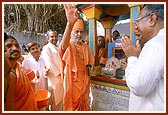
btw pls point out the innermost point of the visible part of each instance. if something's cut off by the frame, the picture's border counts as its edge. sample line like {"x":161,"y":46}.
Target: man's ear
{"x":153,"y":19}
{"x":47,"y":38}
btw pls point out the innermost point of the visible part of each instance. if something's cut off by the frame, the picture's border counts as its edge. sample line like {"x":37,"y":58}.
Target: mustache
{"x":15,"y":51}
{"x":36,"y":52}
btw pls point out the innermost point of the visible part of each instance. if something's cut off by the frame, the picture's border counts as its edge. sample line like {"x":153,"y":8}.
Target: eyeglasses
{"x":140,"y":18}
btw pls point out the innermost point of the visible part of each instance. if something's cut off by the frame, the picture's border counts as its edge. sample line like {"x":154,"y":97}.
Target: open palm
{"x":71,"y":12}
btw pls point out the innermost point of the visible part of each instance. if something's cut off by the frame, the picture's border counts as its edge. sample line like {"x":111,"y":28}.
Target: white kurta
{"x":31,"y":63}
{"x":145,"y":76}
{"x":55,"y":82}
{"x":51,"y":58}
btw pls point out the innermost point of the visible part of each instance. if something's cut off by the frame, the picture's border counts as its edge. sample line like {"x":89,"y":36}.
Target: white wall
{"x":23,"y":38}
{"x":122,"y":28}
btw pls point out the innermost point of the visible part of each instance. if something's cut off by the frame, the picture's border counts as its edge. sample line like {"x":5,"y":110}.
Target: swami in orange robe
{"x":76,"y":79}
{"x":23,"y":99}
{"x":75,"y":56}
{"x":18,"y":90}
{"x":101,"y":47}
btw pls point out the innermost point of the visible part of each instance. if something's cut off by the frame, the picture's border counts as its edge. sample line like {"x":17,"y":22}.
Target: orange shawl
{"x":102,"y":52}
{"x":20,"y":95}
{"x":76,"y":85}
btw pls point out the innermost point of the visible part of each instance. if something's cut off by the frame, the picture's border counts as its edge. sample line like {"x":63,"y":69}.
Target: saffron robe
{"x":102,"y":52}
{"x":20,"y":95}
{"x":76,"y":79}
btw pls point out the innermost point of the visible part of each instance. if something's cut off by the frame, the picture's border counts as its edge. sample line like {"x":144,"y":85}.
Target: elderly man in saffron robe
{"x":75,"y":56}
{"x":18,"y":90}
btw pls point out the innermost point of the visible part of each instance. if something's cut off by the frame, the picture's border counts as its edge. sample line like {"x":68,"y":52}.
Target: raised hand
{"x":71,"y":13}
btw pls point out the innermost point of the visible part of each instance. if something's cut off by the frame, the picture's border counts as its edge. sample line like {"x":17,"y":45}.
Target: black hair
{"x":5,"y":36}
{"x":29,"y":45}
{"x":23,"y":46}
{"x":116,"y":32}
{"x":26,"y":50}
{"x":9,"y":37}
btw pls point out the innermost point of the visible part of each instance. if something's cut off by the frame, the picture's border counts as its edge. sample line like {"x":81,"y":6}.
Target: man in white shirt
{"x":145,"y":69}
{"x":36,"y":63}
